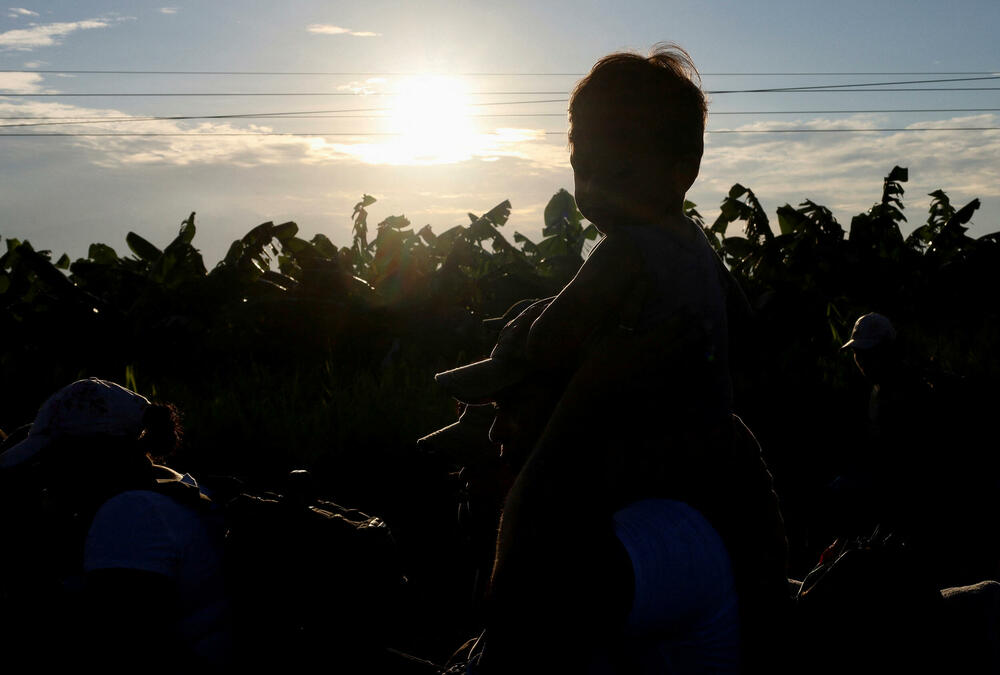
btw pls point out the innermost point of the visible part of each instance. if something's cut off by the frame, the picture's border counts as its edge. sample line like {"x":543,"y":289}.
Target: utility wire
{"x":807,"y":88}
{"x":844,"y":86}
{"x":475,"y":93}
{"x":468,"y":74}
{"x":63,"y":121}
{"x":547,"y":133}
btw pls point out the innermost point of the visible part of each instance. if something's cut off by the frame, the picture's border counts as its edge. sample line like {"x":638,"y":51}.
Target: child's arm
{"x":558,"y":335}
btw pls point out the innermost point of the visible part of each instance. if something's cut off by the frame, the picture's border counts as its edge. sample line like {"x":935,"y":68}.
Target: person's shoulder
{"x":146,"y":508}
{"x":138,"y":500}
{"x":619,"y":248}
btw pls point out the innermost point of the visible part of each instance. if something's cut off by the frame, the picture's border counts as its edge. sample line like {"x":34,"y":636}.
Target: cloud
{"x":365,"y":87}
{"x":34,"y":64}
{"x":168,"y":10}
{"x":18,"y":12}
{"x":20,"y":83}
{"x":329,"y":29}
{"x":844,"y":171}
{"x":45,"y":35}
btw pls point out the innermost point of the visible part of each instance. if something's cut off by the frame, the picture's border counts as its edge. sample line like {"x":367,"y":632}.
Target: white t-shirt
{"x":145,"y":530}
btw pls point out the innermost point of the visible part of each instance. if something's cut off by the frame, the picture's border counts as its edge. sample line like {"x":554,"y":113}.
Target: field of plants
{"x":292,"y":351}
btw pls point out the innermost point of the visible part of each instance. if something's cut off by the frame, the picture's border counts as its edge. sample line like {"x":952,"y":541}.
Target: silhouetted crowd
{"x":620,"y":516}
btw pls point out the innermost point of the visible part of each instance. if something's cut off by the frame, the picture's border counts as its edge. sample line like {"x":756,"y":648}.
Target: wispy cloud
{"x":844,"y":170}
{"x":330,"y":29}
{"x":45,"y":35}
{"x":840,"y":170}
{"x":20,"y":83}
{"x":366,"y":87}
{"x":18,"y":12}
{"x":168,"y":10}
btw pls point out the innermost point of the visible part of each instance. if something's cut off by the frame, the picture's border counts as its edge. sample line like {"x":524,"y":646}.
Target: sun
{"x":430,"y":114}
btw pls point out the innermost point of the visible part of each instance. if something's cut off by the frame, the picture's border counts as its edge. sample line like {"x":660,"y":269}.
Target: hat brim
{"x":860,"y":344}
{"x":464,"y":442}
{"x":481,"y":381}
{"x":22,"y":452}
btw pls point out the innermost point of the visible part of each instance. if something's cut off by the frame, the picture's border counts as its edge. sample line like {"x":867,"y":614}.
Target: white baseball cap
{"x":90,"y":407}
{"x":869,"y":331}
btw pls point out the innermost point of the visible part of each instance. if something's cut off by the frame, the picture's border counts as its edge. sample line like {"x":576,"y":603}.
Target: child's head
{"x":636,"y":135}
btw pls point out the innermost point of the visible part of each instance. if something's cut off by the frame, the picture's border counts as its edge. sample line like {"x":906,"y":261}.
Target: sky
{"x":440,"y":108}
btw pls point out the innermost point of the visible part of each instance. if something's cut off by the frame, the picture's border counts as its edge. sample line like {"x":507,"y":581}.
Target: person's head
{"x":93,"y":436}
{"x":873,"y":341}
{"x":522,"y":396}
{"x":636,"y":135}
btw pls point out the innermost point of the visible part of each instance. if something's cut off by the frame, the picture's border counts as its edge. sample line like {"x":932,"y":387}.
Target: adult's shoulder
{"x":139,"y":529}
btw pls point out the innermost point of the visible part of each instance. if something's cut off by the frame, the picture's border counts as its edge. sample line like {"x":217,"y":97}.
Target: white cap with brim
{"x":869,"y":331}
{"x":466,"y":441}
{"x":479,"y":382}
{"x":85,"y":408}
{"x":507,"y":365}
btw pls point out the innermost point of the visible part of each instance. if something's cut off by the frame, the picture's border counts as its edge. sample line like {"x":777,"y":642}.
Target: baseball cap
{"x":870,"y":330}
{"x":90,"y":407}
{"x":465,"y":441}
{"x":479,"y":382}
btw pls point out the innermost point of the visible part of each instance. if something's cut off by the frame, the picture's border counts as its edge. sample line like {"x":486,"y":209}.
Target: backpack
{"x":304,"y":575}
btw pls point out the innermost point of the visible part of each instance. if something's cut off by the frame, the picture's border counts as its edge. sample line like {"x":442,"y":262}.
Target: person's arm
{"x":559,"y":334}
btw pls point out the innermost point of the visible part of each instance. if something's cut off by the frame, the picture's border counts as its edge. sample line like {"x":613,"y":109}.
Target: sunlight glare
{"x":432,"y":117}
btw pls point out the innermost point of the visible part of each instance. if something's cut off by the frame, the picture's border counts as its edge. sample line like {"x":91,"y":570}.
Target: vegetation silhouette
{"x":294,"y":351}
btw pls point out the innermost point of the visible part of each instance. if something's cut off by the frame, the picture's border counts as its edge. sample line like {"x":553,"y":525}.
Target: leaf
{"x":142,"y":248}
{"x":366,"y":201}
{"x":721,"y":224}
{"x":187,"y":229}
{"x":499,"y":214}
{"x":102,"y":254}
{"x":259,"y":235}
{"x":551,"y":247}
{"x":284,"y":231}
{"x":789,"y":220}
{"x":898,"y":175}
{"x":233,"y":254}
{"x":285,"y":282}
{"x":527,"y":246}
{"x":427,"y":234}
{"x":733,"y":209}
{"x":964,"y":214}
{"x":560,"y":210}
{"x":4,"y":283}
{"x":63,"y":262}
{"x":738,"y":247}
{"x":395,"y":222}
{"x":737,"y":191}
{"x":324,"y":246}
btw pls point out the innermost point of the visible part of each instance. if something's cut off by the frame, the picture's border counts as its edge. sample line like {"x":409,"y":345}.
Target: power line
{"x":547,"y":133}
{"x":267,"y":93}
{"x":828,"y":131}
{"x":843,"y":86}
{"x":70,"y":71}
{"x":790,"y":90}
{"x":70,"y":121}
{"x":868,"y":86}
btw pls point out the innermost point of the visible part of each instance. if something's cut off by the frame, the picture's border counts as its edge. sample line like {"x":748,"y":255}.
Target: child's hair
{"x":660,"y":92}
